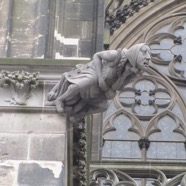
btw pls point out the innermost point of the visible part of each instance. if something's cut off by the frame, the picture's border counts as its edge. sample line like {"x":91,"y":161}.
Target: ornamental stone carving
{"x":19,"y":84}
{"x":168,"y":48}
{"x":146,"y":96}
{"x":87,"y":88}
{"x":118,"y":11}
{"x":144,"y":143}
{"x":114,"y":177}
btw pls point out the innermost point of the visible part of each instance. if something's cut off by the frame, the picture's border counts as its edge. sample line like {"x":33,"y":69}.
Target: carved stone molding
{"x":114,"y":177}
{"x":80,"y":153}
{"x":19,"y":84}
{"x":110,"y":177}
{"x":117,"y":12}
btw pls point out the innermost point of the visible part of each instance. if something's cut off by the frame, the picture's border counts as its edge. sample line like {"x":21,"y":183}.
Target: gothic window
{"x":146,"y":109}
{"x":146,"y":122}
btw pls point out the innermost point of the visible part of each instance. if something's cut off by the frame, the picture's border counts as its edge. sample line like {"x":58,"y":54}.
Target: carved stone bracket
{"x":144,"y":143}
{"x":20,"y":85}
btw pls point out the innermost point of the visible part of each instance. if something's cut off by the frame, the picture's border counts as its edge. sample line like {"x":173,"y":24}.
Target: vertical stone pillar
{"x":78,"y":165}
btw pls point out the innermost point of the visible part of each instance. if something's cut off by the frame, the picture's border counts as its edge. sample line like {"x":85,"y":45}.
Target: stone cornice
{"x":49,"y":69}
{"x":43,"y":62}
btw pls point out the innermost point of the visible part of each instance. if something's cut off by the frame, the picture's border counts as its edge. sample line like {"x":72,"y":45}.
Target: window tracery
{"x":168,"y":47}
{"x":146,"y":121}
{"x":152,"y":97}
{"x":113,"y":177}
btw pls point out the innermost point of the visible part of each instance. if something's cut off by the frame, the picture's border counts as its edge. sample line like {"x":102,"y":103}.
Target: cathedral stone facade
{"x":139,"y":141}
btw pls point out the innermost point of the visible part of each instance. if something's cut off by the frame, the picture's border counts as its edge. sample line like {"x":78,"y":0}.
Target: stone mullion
{"x":9,"y":29}
{"x":41,"y":29}
{"x":69,"y":159}
{"x":143,"y":154}
{"x":58,"y":28}
{"x":49,"y":50}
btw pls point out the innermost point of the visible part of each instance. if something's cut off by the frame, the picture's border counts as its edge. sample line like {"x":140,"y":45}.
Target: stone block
{"x":39,"y":46}
{"x":101,"y":10}
{"x":41,"y":26}
{"x":7,"y":175}
{"x":60,"y":7}
{"x":25,"y":9}
{"x":99,"y":43}
{"x":69,"y":51}
{"x":78,"y":29}
{"x":4,"y":13}
{"x":2,"y":50}
{"x":85,"y":48}
{"x":23,"y":30}
{"x":86,"y":29}
{"x":100,"y":25}
{"x":28,"y":123}
{"x":72,"y":29}
{"x":60,"y":24}
{"x":43,"y":7}
{"x":34,"y":174}
{"x":47,"y":147}
{"x":22,"y":50}
{"x":72,"y":11}
{"x":79,"y":1}
{"x":13,"y":147}
{"x":86,"y":11}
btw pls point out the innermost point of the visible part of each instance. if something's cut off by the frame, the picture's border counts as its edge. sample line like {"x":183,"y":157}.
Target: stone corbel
{"x":144,"y":143}
{"x":19,"y":84}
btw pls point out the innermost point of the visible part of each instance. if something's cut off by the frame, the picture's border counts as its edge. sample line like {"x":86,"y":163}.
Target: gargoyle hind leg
{"x":58,"y":89}
{"x":69,"y":94}
{"x":52,"y":94}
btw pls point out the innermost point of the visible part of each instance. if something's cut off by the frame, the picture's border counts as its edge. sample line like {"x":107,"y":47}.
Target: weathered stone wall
{"x":33,"y":136}
{"x":32,"y":149}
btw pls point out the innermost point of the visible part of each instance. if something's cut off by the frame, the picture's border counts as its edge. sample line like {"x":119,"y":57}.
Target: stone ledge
{"x":26,"y":109}
{"x":43,"y":62}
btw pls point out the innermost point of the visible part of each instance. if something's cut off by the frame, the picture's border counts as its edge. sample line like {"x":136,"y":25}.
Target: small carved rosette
{"x":20,"y":85}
